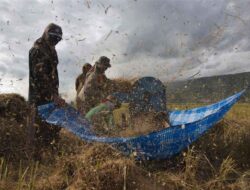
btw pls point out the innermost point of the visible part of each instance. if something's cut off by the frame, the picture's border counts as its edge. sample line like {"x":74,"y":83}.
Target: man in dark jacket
{"x":44,"y":82}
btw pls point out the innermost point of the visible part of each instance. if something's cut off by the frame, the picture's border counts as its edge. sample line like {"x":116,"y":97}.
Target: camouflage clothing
{"x":43,"y":60}
{"x":94,"y":89}
{"x":43,"y":79}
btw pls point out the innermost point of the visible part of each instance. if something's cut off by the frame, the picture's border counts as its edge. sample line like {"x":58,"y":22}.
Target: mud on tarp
{"x":186,"y":127}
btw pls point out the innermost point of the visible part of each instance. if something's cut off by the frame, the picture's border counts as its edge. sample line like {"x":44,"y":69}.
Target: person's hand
{"x":59,"y":101}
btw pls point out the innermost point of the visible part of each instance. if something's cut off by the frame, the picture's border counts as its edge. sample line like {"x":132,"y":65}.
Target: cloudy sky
{"x":168,"y":39}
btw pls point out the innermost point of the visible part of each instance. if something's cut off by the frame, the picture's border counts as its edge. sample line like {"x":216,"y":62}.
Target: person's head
{"x":103,"y":64}
{"x":86,"y":67}
{"x":52,"y":34}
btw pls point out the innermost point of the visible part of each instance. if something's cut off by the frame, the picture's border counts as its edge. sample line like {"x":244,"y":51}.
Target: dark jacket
{"x":43,"y":74}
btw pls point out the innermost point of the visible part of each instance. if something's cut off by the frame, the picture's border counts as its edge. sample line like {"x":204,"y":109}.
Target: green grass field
{"x":240,"y":111}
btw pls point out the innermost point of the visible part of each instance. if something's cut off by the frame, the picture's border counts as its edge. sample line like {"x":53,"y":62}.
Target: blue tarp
{"x":186,"y":127}
{"x":148,"y":93}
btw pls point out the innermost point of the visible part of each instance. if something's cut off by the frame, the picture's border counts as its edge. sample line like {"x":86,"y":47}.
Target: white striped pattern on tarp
{"x":180,"y":117}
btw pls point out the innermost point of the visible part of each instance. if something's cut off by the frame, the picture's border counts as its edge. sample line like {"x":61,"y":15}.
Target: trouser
{"x":46,"y":134}
{"x":40,"y":135}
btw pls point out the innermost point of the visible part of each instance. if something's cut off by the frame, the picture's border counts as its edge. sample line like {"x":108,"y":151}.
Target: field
{"x":219,"y":160}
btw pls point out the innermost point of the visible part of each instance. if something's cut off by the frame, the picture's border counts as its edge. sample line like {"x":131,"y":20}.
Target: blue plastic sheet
{"x":148,"y":93}
{"x":186,"y":127}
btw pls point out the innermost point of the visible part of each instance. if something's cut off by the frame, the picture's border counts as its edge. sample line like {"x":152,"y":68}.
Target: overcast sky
{"x":168,"y":39}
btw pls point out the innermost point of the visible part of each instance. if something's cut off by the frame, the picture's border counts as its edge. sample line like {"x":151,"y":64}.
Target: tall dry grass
{"x":218,"y":160}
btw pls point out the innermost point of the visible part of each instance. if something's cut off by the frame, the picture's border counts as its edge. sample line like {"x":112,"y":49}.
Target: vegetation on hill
{"x":209,"y":89}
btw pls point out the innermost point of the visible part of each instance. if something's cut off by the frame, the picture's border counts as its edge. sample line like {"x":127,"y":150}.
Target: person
{"x":95,"y":86}
{"x":107,"y":105}
{"x":101,"y":116}
{"x":44,"y":83}
{"x":82,"y":77}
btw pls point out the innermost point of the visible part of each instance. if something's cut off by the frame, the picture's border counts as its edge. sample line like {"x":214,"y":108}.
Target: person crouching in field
{"x":95,"y":86}
{"x":44,"y":84}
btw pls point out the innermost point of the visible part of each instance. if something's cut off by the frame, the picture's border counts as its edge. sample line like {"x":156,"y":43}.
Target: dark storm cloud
{"x":191,"y":32}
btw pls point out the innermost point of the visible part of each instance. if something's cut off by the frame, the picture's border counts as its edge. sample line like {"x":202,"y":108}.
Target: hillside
{"x":209,"y":89}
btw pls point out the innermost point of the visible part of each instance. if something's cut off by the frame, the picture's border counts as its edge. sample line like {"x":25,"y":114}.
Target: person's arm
{"x":108,"y":104}
{"x":95,"y":110}
{"x":36,"y":63}
{"x":77,"y":83}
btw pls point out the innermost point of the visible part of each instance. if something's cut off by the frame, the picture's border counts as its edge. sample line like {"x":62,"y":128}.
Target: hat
{"x":53,"y":30}
{"x":52,"y":33}
{"x":103,"y":61}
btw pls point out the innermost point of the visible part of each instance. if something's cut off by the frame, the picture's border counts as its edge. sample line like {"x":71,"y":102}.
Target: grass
{"x":218,"y":160}
{"x":240,"y":111}
{"x":3,"y":169}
